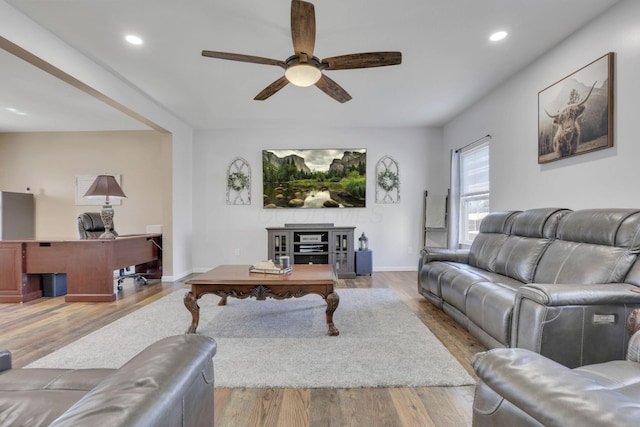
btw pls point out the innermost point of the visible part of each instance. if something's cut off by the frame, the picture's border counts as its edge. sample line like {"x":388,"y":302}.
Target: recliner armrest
{"x":573,"y":324}
{"x":168,"y":383}
{"x":443,"y":254}
{"x":558,"y":294}
{"x":5,"y":360}
{"x":551,"y":393}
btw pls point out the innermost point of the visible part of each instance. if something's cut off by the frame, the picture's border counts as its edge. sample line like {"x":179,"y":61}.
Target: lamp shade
{"x":303,"y":75}
{"x":104,"y":186}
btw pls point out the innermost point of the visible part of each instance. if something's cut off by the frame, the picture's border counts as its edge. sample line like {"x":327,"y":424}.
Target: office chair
{"x":90,"y":226}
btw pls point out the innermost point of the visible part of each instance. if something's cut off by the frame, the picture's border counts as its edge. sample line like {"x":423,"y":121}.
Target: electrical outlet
{"x":236,"y":251}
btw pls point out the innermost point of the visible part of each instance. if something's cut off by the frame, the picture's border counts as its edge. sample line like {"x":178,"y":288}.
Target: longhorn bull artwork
{"x":575,"y":114}
{"x":567,"y":137}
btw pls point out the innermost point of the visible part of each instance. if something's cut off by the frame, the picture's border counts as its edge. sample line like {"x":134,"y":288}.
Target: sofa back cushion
{"x":592,"y":246}
{"x":494,"y":230}
{"x":531,"y":233}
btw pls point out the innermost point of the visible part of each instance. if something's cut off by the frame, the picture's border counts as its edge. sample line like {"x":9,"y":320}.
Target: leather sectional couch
{"x":170,"y":383}
{"x":520,"y":388}
{"x":557,"y":282}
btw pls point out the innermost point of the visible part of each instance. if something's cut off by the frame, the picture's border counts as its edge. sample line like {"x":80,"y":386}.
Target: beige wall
{"x":48,"y":164}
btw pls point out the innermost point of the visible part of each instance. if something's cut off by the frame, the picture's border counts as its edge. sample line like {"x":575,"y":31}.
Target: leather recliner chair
{"x":521,"y":388}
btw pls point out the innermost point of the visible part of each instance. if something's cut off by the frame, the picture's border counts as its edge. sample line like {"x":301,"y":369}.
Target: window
{"x":474,"y":190}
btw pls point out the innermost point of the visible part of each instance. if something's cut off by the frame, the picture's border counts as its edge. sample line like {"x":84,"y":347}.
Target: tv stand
{"x":314,"y":244}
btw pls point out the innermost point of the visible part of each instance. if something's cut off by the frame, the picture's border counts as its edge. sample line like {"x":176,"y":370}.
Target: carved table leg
{"x":223,"y":301}
{"x":332,"y":303}
{"x":191,"y":302}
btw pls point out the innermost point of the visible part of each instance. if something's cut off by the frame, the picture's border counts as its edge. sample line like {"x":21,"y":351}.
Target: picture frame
{"x":575,"y":114}
{"x":314,"y":178}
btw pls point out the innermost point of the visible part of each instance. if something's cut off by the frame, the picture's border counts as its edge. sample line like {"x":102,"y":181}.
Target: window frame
{"x":466,"y":198}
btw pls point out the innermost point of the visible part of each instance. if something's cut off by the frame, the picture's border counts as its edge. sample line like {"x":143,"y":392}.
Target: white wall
{"x":48,"y":163}
{"x":236,"y":234}
{"x":62,"y":59}
{"x":605,"y":178}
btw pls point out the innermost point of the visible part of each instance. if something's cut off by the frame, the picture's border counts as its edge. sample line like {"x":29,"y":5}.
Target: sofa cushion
{"x":519,"y":256}
{"x":541,"y":223}
{"x":573,"y":262}
{"x":620,"y":375}
{"x":35,"y":408}
{"x":432,"y":272}
{"x":52,"y":379}
{"x":608,"y":227}
{"x":490,"y":307}
{"x":592,"y":246}
{"x":633,"y":276}
{"x":37,"y":396}
{"x":455,"y":283}
{"x":531,"y":234}
{"x":494,"y":229}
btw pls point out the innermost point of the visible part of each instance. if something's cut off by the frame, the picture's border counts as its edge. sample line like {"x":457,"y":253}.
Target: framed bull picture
{"x":575,"y":114}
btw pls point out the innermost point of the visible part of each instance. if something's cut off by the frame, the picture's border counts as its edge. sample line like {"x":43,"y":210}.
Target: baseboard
{"x":179,"y":276}
{"x":411,"y":268}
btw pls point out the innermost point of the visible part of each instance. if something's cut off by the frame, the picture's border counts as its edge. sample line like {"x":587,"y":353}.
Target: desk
{"x":88,"y":264}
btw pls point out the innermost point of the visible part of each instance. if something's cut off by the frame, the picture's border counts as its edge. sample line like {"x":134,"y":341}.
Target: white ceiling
{"x":448,"y":62}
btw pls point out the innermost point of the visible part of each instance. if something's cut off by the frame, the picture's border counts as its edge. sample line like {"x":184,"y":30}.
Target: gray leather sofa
{"x":170,"y":383}
{"x":520,"y":388}
{"x":557,"y":282}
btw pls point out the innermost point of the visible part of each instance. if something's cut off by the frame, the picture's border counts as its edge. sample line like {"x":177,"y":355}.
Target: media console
{"x":314,"y":244}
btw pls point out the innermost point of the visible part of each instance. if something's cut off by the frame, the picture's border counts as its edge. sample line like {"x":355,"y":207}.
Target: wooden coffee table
{"x":237,"y":282}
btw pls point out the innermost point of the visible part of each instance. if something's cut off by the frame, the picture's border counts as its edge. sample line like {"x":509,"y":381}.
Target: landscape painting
{"x":315,"y":178}
{"x":575,"y":115}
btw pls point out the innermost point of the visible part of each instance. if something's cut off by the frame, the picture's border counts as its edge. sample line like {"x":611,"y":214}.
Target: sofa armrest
{"x":168,"y":383}
{"x":442,"y":254}
{"x":579,"y":294}
{"x":551,"y":393}
{"x":574,"y":324}
{"x":5,"y":360}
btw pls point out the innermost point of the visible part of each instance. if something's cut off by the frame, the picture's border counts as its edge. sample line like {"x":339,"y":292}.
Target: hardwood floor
{"x":36,"y":328}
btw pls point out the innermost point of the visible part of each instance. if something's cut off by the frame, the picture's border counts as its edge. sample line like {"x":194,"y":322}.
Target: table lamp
{"x":105,"y":186}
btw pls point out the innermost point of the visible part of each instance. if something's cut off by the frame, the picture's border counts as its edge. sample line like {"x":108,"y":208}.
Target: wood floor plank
{"x":34,"y":329}
{"x":410,"y":408}
{"x":295,"y":408}
{"x":444,"y":404}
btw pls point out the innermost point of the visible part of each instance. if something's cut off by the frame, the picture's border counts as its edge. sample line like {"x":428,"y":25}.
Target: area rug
{"x":284,"y":344}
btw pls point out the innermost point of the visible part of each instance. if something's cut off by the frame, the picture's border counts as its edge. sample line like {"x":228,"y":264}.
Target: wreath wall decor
{"x":387,"y":181}
{"x":239,"y":182}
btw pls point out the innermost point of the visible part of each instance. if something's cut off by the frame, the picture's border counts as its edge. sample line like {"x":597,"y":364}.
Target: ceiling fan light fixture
{"x":303,"y":75}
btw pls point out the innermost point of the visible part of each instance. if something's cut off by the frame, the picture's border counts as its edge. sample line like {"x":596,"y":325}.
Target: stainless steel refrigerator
{"x":17,"y":216}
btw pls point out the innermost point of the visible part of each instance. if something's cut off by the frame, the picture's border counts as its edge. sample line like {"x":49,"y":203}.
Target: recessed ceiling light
{"x":498,"y":36}
{"x":133,"y":39}
{"x":13,"y":110}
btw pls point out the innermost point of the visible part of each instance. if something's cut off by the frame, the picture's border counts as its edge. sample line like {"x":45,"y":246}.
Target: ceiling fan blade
{"x":333,"y":89}
{"x":272,"y":88}
{"x":363,"y":60}
{"x":303,"y":27}
{"x":243,"y":58}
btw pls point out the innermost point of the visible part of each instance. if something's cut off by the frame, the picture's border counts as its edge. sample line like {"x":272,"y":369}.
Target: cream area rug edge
{"x":284,"y":344}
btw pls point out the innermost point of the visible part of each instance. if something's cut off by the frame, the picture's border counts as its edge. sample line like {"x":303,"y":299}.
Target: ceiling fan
{"x":304,"y":69}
